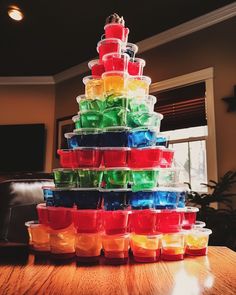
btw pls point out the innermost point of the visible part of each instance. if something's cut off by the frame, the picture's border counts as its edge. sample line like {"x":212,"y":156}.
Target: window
{"x":187,"y":105}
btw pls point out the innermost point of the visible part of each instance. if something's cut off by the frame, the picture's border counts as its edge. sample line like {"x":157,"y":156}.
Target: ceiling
{"x":57,"y":34}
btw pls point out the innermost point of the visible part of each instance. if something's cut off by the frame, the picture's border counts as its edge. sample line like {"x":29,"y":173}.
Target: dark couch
{"x":18,"y":199}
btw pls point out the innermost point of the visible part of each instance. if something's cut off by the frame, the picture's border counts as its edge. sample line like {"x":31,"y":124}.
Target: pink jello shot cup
{"x":116,"y":61}
{"x":108,"y":46}
{"x":135,"y":66}
{"x":96,"y":67}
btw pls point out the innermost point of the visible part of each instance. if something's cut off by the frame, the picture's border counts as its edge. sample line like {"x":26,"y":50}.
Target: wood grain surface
{"x":213,"y":274}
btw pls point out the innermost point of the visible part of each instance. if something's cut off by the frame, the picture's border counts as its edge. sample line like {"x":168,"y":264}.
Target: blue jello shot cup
{"x":142,"y":200}
{"x":115,"y":199}
{"x":166,"y":198}
{"x":48,"y":195}
{"x":115,"y":137}
{"x":142,"y":137}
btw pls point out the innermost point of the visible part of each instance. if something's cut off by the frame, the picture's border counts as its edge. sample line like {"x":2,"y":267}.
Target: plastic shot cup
{"x":94,"y":87}
{"x":196,"y":241}
{"x":88,"y":221}
{"x":143,"y":222}
{"x":142,"y":200}
{"x":131,"y":49}
{"x":144,"y":157}
{"x":87,"y":198}
{"x":66,"y":158}
{"x":168,"y":177}
{"x":135,"y":66}
{"x":170,"y":220}
{"x":115,"y":199}
{"x":72,"y":140}
{"x":90,"y":178}
{"x":96,"y":104}
{"x":96,"y":67}
{"x":116,"y":248}
{"x":115,"y":117}
{"x":199,"y":224}
{"x":138,"y":86}
{"x":140,"y":119}
{"x":113,"y":101}
{"x":42,"y":211}
{"x":48,"y":195}
{"x":108,"y":45}
{"x":116,"y":177}
{"x":173,"y":246}
{"x":115,"y":137}
{"x":167,"y":158}
{"x":63,"y":197}
{"x":88,"y":247}
{"x":59,"y":217}
{"x":88,"y":157}
{"x":38,"y":236}
{"x":142,"y":105}
{"x":190,"y":215}
{"x":66,"y":178}
{"x":116,"y":30}
{"x":166,"y":198}
{"x":146,"y":248}
{"x":88,"y":119}
{"x":116,"y":61}
{"x":141,"y":137}
{"x":88,"y":137}
{"x":115,"y":222}
{"x":115,"y":83}
{"x":143,"y":179}
{"x":115,"y":157}
{"x":162,"y":141}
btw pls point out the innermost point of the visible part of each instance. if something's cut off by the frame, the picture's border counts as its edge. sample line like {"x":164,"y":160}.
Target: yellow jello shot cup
{"x":94,"y":87}
{"x":114,"y":83}
{"x":173,"y":246}
{"x":138,"y":86}
{"x":197,"y":241}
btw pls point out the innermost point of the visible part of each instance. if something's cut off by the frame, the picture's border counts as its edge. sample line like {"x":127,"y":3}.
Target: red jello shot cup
{"x":170,"y":221}
{"x":145,"y":157}
{"x":42,"y":211}
{"x":96,"y":67}
{"x":167,"y":158}
{"x":116,"y":61}
{"x":190,"y":215}
{"x":143,"y":222}
{"x":115,"y":30}
{"x":60,"y":217}
{"x":88,"y":220}
{"x":115,"y":157}
{"x":135,"y":66}
{"x":107,"y":46}
{"x":86,"y":157}
{"x":116,"y":222}
{"x":66,"y":158}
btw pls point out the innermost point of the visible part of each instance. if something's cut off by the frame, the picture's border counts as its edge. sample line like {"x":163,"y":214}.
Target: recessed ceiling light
{"x":15,"y":13}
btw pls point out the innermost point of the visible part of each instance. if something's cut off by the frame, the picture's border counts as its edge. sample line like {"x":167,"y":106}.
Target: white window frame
{"x":205,"y":75}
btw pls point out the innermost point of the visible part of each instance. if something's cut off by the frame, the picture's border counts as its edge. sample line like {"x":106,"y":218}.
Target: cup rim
{"x":115,"y":73}
{"x":63,"y":169}
{"x":32,"y":223}
{"x":116,"y":169}
{"x":81,"y":130}
{"x":141,"y":77}
{"x":132,"y":45}
{"x":110,"y":40}
{"x":191,"y":209}
{"x":112,"y":24}
{"x":115,"y":148}
{"x":93,"y":62}
{"x":69,"y":134}
{"x":110,"y":54}
{"x":90,"y":77}
{"x":107,"y":190}
{"x":138,"y":59}
{"x":201,"y":231}
{"x":199,"y":224}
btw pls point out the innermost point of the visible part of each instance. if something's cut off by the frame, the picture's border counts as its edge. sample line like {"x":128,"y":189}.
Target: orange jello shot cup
{"x":116,"y":248}
{"x":38,"y":236}
{"x":173,"y":246}
{"x":138,"y":86}
{"x":197,"y":241}
{"x":94,"y":87}
{"x":114,"y":82}
{"x":146,"y":248}
{"x":88,"y":247}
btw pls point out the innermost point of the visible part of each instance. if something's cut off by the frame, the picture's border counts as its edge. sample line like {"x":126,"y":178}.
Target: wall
{"x":26,"y":104}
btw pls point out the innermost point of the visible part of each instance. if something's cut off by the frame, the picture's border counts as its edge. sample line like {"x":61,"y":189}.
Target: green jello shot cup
{"x":140,"y":119}
{"x":115,"y":117}
{"x":90,"y":178}
{"x":145,"y":105}
{"x":86,"y":104}
{"x":113,"y":101}
{"x":143,"y":179}
{"x":66,"y":178}
{"x":88,"y":119}
{"x":116,"y":178}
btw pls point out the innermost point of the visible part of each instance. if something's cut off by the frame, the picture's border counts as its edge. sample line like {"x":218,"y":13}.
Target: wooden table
{"x":213,"y":274}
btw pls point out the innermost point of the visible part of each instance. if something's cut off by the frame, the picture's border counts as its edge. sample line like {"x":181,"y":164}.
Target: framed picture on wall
{"x":63,"y":125}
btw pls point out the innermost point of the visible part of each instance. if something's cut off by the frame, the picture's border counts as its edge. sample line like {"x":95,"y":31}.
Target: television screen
{"x":22,"y":148}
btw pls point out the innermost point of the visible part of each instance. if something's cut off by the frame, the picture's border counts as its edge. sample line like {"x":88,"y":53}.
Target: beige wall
{"x":211,"y":47}
{"x":27,"y":105}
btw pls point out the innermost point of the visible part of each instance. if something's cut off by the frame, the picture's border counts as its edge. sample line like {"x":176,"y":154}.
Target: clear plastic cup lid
{"x":144,"y":78}
{"x":117,"y":169}
{"x":87,"y":130}
{"x":132,"y":47}
{"x":88,"y":169}
{"x":115,"y":148}
{"x":87,"y":148}
{"x":93,"y":62}
{"x":31,"y":223}
{"x":63,"y":169}
{"x":171,"y":189}
{"x":138,"y":60}
{"x":145,"y":129}
{"x":115,"y":190}
{"x":48,"y":187}
{"x":88,"y":78}
{"x":191,"y":209}
{"x":117,"y":129}
{"x":80,"y":97}
{"x":199,"y":224}
{"x":202,"y":231}
{"x":85,"y":189}
{"x":115,"y":73}
{"x":144,"y":169}
{"x":116,"y":55}
{"x":69,"y":134}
